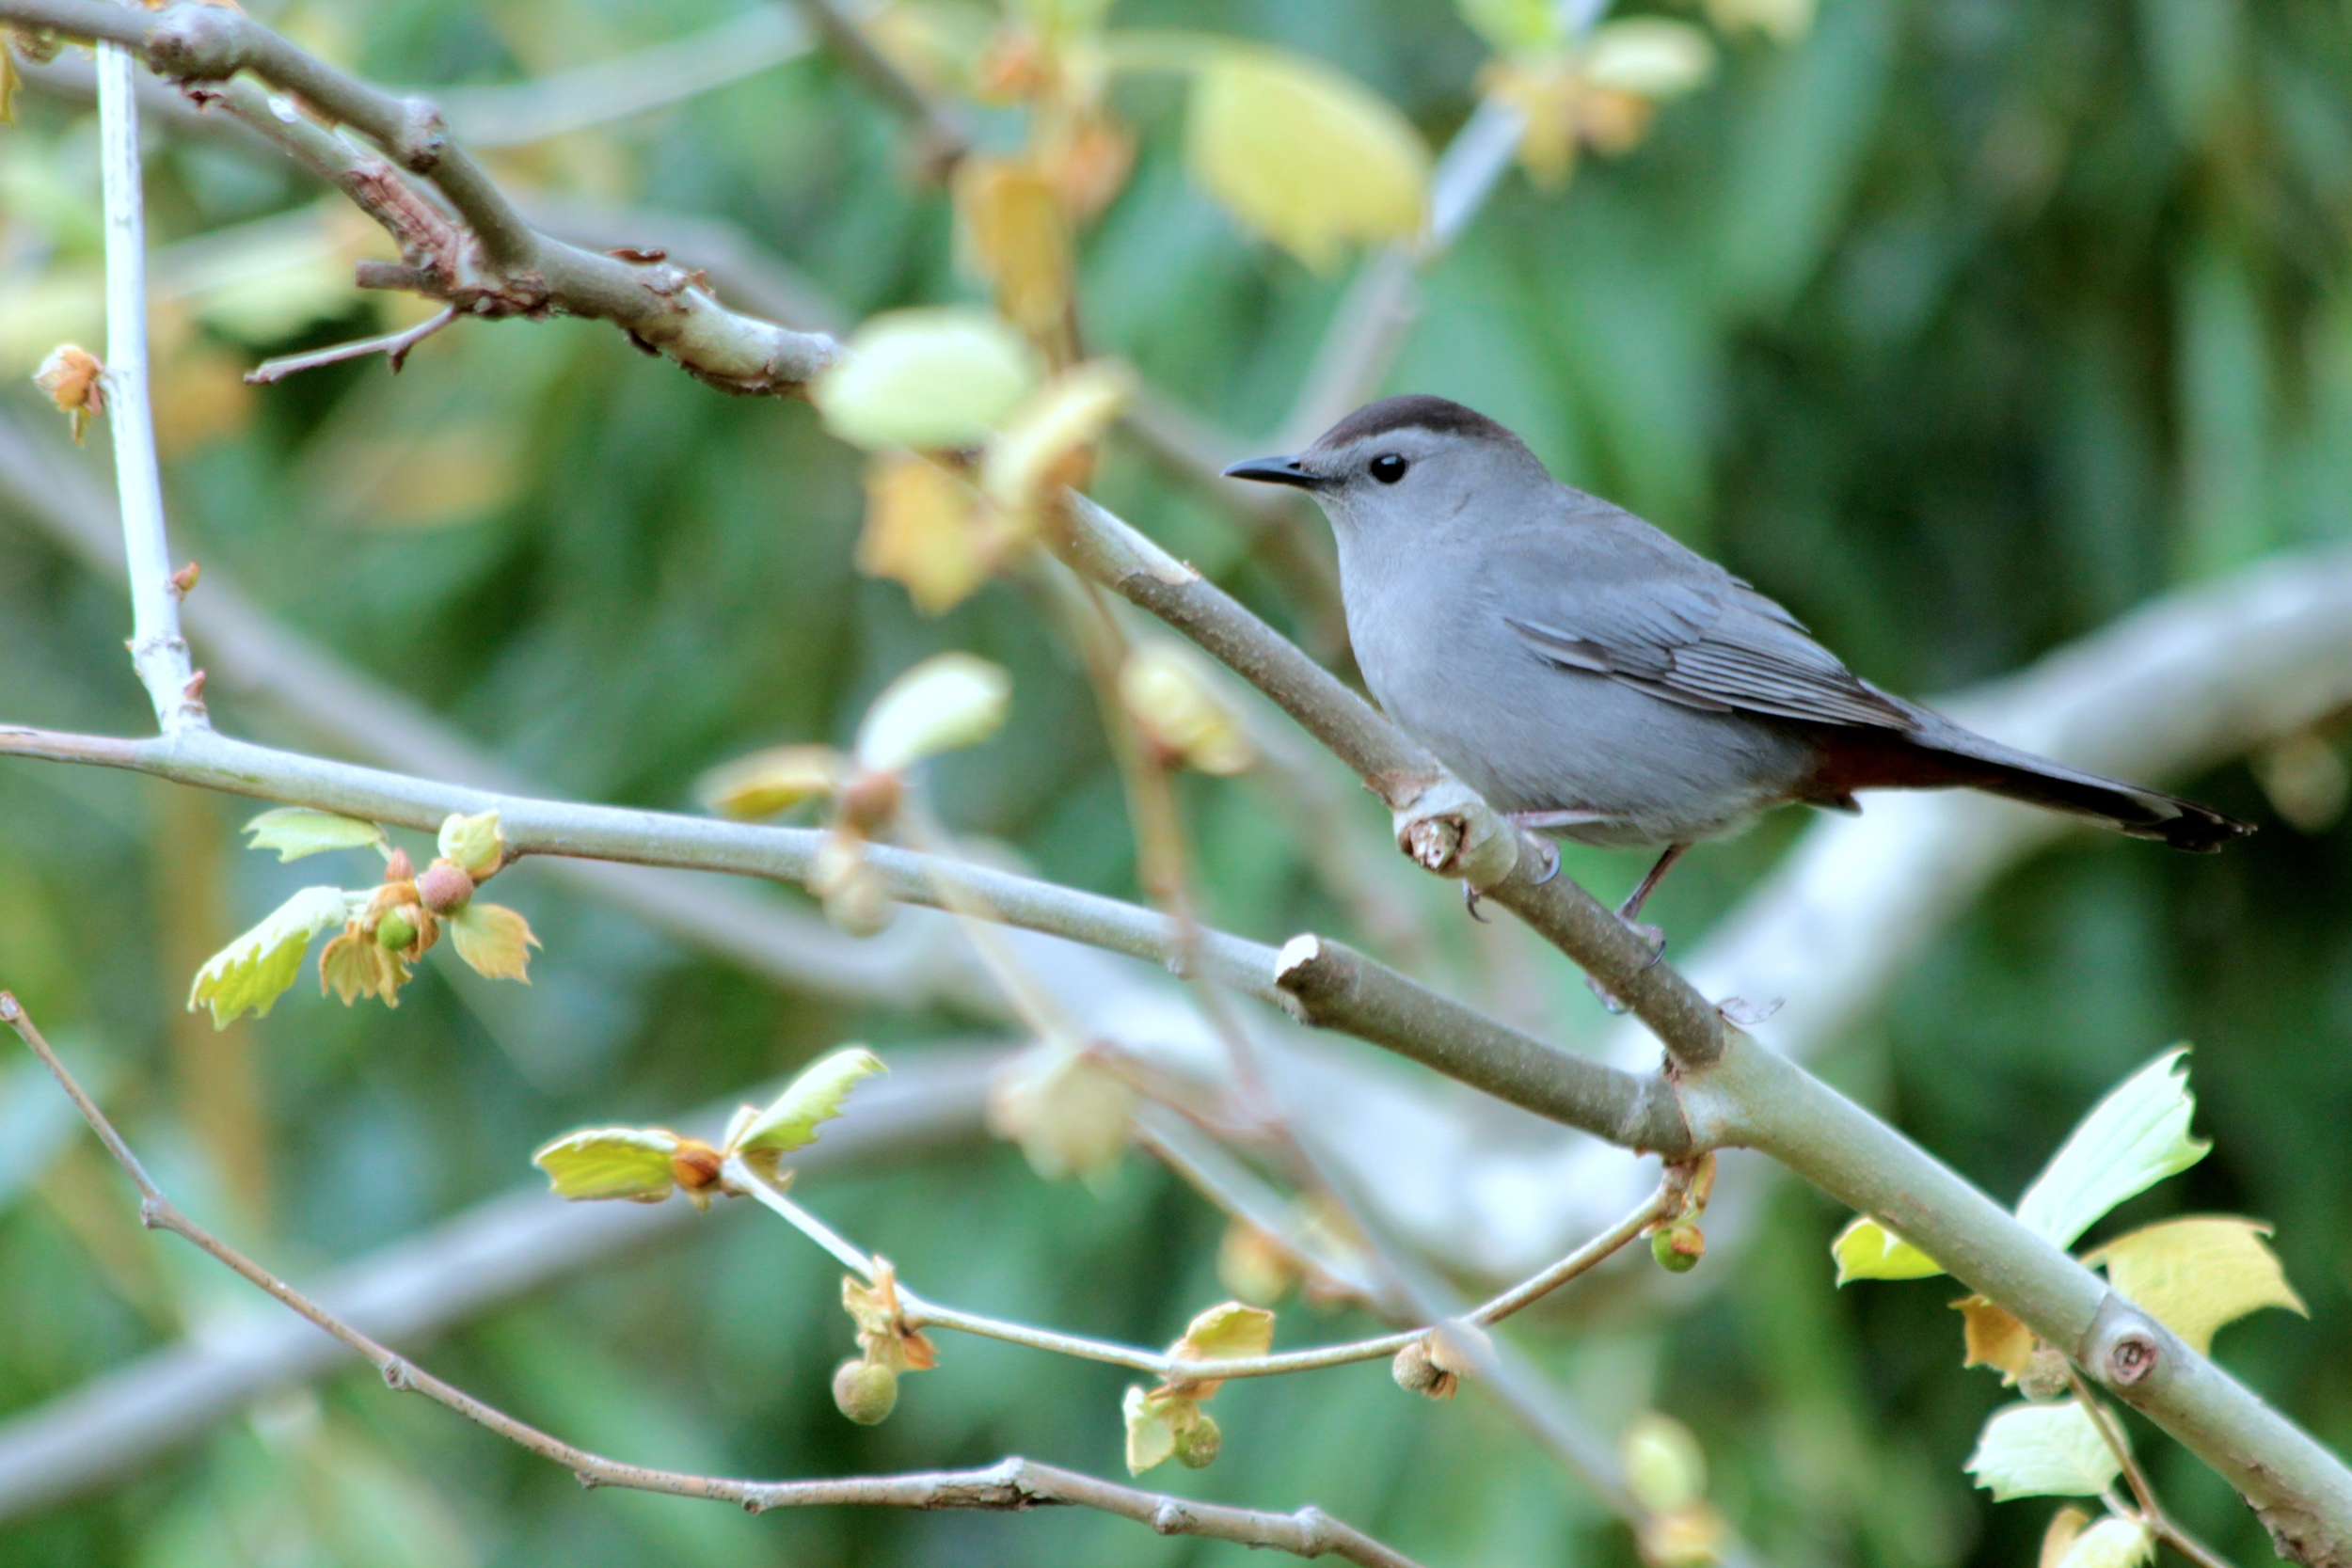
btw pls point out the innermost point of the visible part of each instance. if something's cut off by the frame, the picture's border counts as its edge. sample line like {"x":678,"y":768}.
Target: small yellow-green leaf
{"x":475,"y":843}
{"x":1653,"y":57}
{"x":1227,"y":1332}
{"x":2043,"y":1450}
{"x":815,"y":1097}
{"x":1051,"y":429}
{"x":1169,"y":696}
{"x":1151,"y":1420}
{"x":294,"y":831}
{"x":2114,"y":1542}
{"x":1514,"y":27}
{"x":2131,"y":1140}
{"x":1993,"y":1337}
{"x":1784,"y":20}
{"x":928,"y":529}
{"x":767,"y":782}
{"x":2058,"y":1537}
{"x":1070,"y":1117}
{"x":1867,"y":1250}
{"x":936,"y":376}
{"x":254,"y":971}
{"x":493,"y":939}
{"x":611,"y":1161}
{"x":1665,"y":1468}
{"x":1303,"y":154}
{"x":2194,"y":1274}
{"x":947,"y":701}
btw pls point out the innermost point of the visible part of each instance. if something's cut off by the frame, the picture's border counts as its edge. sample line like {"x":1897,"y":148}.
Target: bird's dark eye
{"x":1389,"y":467}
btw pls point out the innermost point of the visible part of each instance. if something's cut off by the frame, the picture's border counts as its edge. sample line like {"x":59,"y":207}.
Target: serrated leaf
{"x":253,"y":972}
{"x":949,"y":700}
{"x":2194,"y":1274}
{"x":935,"y":377}
{"x":1303,"y":154}
{"x":1993,"y":1337}
{"x":1867,"y":1250}
{"x":768,"y":783}
{"x":354,"y":964}
{"x":791,"y":1119}
{"x":494,"y":941}
{"x":2043,"y":1450}
{"x":475,"y":843}
{"x":632,"y":1163}
{"x":2131,"y":1140}
{"x":2112,"y":1543}
{"x":294,"y":831}
{"x":2058,"y":1537}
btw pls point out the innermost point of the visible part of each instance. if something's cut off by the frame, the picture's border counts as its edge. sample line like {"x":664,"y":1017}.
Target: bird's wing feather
{"x":1670,"y":622}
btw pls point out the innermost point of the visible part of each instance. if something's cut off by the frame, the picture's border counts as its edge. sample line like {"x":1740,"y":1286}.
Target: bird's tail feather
{"x":2037,"y":781}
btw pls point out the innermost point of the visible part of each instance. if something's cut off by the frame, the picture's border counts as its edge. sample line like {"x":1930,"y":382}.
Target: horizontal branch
{"x":1462,"y":1043}
{"x":1010,"y":1485}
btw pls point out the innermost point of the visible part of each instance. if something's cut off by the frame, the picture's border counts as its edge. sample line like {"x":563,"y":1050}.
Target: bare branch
{"x":1011,"y":1484}
{"x":393,"y":346}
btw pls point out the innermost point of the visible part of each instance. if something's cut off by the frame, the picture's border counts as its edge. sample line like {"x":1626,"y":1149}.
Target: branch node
{"x":423,"y":137}
{"x":1448,"y":830}
{"x":196,"y":43}
{"x":1170,"y":1518}
{"x":152,"y":1213}
{"x":397,"y":1376}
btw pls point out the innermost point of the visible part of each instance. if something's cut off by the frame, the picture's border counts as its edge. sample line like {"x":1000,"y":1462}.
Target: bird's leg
{"x":1629,"y":911}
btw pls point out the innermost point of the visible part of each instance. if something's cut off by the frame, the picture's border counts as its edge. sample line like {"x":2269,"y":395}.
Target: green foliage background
{"x":1961,"y":327}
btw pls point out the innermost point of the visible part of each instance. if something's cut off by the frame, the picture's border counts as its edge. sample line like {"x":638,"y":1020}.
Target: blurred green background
{"x":1959,"y":327}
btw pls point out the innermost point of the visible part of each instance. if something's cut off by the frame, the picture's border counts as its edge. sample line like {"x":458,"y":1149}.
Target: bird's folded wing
{"x":1717,"y":647}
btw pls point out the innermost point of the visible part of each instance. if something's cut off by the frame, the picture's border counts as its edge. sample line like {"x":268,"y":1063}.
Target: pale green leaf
{"x":294,"y":831}
{"x":2112,"y":1543}
{"x":1514,"y":27}
{"x":937,"y":376}
{"x":768,"y":783}
{"x":1665,"y":1468}
{"x":1151,"y":1420}
{"x":253,"y":972}
{"x":1303,"y":154}
{"x":494,"y":941}
{"x":611,"y":1161}
{"x":1867,"y":1250}
{"x":2194,"y":1274}
{"x":2043,"y":1450}
{"x":815,"y":1097}
{"x":2131,"y":1140}
{"x":947,"y":701}
{"x":1227,"y":1332}
{"x":474,"y":844}
{"x":1655,"y":56}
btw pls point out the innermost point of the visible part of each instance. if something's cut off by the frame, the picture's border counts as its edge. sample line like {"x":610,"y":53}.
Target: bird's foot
{"x":1552,"y":860}
{"x":1470,"y":902}
{"x":1651,"y":938}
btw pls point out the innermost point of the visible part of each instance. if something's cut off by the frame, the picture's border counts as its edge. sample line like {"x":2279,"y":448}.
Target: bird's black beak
{"x":1276,"y":470}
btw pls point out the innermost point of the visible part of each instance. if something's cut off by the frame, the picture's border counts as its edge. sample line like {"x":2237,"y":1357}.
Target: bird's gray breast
{"x":1432,"y":635}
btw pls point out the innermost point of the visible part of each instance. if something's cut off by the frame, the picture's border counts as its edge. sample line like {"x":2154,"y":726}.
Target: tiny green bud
{"x":1678,"y":1247}
{"x":1197,"y":1444}
{"x":394,"y":932}
{"x":867,"y":1391}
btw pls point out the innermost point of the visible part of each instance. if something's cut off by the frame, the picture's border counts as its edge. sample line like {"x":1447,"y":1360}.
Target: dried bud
{"x":870,"y":800}
{"x":1197,"y":1442}
{"x":75,"y":382}
{"x":2044,"y":1377}
{"x":398,"y":867}
{"x":1678,"y":1247}
{"x":865,"y":1391}
{"x":38,"y":45}
{"x":695,"y":1166}
{"x":183,"y":581}
{"x":1417,"y":1374}
{"x":444,"y":887}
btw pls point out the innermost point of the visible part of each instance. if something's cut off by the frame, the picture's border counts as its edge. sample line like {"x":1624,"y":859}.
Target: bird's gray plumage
{"x":1567,"y":658}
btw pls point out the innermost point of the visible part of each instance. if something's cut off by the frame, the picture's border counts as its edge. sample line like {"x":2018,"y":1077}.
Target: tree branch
{"x":1013,"y":1485}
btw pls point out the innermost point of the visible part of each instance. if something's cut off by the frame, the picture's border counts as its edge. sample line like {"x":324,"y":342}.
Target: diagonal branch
{"x":1010,"y":1485}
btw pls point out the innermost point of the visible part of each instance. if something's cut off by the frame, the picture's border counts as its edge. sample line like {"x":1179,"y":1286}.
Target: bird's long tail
{"x":1942,"y":753}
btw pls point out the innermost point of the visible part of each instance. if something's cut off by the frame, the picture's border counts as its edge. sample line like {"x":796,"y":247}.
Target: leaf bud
{"x":1678,"y":1246}
{"x":398,"y":867}
{"x":1417,"y":1374}
{"x":444,"y":887}
{"x":865,"y":1391}
{"x":394,"y":931}
{"x":1197,"y":1442}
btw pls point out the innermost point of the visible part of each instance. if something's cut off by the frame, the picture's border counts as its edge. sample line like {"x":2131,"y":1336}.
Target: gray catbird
{"x":1594,"y":679}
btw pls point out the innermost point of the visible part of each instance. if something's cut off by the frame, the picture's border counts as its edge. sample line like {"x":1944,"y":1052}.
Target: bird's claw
{"x":1552,"y":860}
{"x":1470,"y":902}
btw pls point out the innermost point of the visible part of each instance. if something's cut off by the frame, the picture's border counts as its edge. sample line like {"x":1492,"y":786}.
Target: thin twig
{"x":1011,"y":1484}
{"x":393,"y":346}
{"x":2151,"y":1510}
{"x":157,"y":651}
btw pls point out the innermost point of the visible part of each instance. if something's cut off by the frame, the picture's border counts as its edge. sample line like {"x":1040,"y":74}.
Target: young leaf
{"x":1303,"y":154}
{"x":1226,"y":1332}
{"x":2131,"y":1140}
{"x":2043,"y":1450}
{"x":1070,"y":1117}
{"x":474,"y":844}
{"x":1150,"y":1417}
{"x":766,"y":784}
{"x":253,"y":972}
{"x":927,"y":528}
{"x":1655,"y":56}
{"x":1173,"y":701}
{"x":1994,"y":1337}
{"x":1867,"y":1250}
{"x":355,"y":964}
{"x":494,"y":939}
{"x":791,"y":1121}
{"x":294,"y":831}
{"x":611,"y":1161}
{"x":2194,"y":1274}
{"x":933,"y":377}
{"x":1514,"y":27}
{"x":2112,"y":1543}
{"x":2064,"y":1529}
{"x":1665,"y":1468}
{"x":949,"y":700}
{"x":1046,"y":439}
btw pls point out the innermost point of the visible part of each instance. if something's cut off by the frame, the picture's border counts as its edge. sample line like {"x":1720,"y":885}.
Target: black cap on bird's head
{"x":1382,"y":439}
